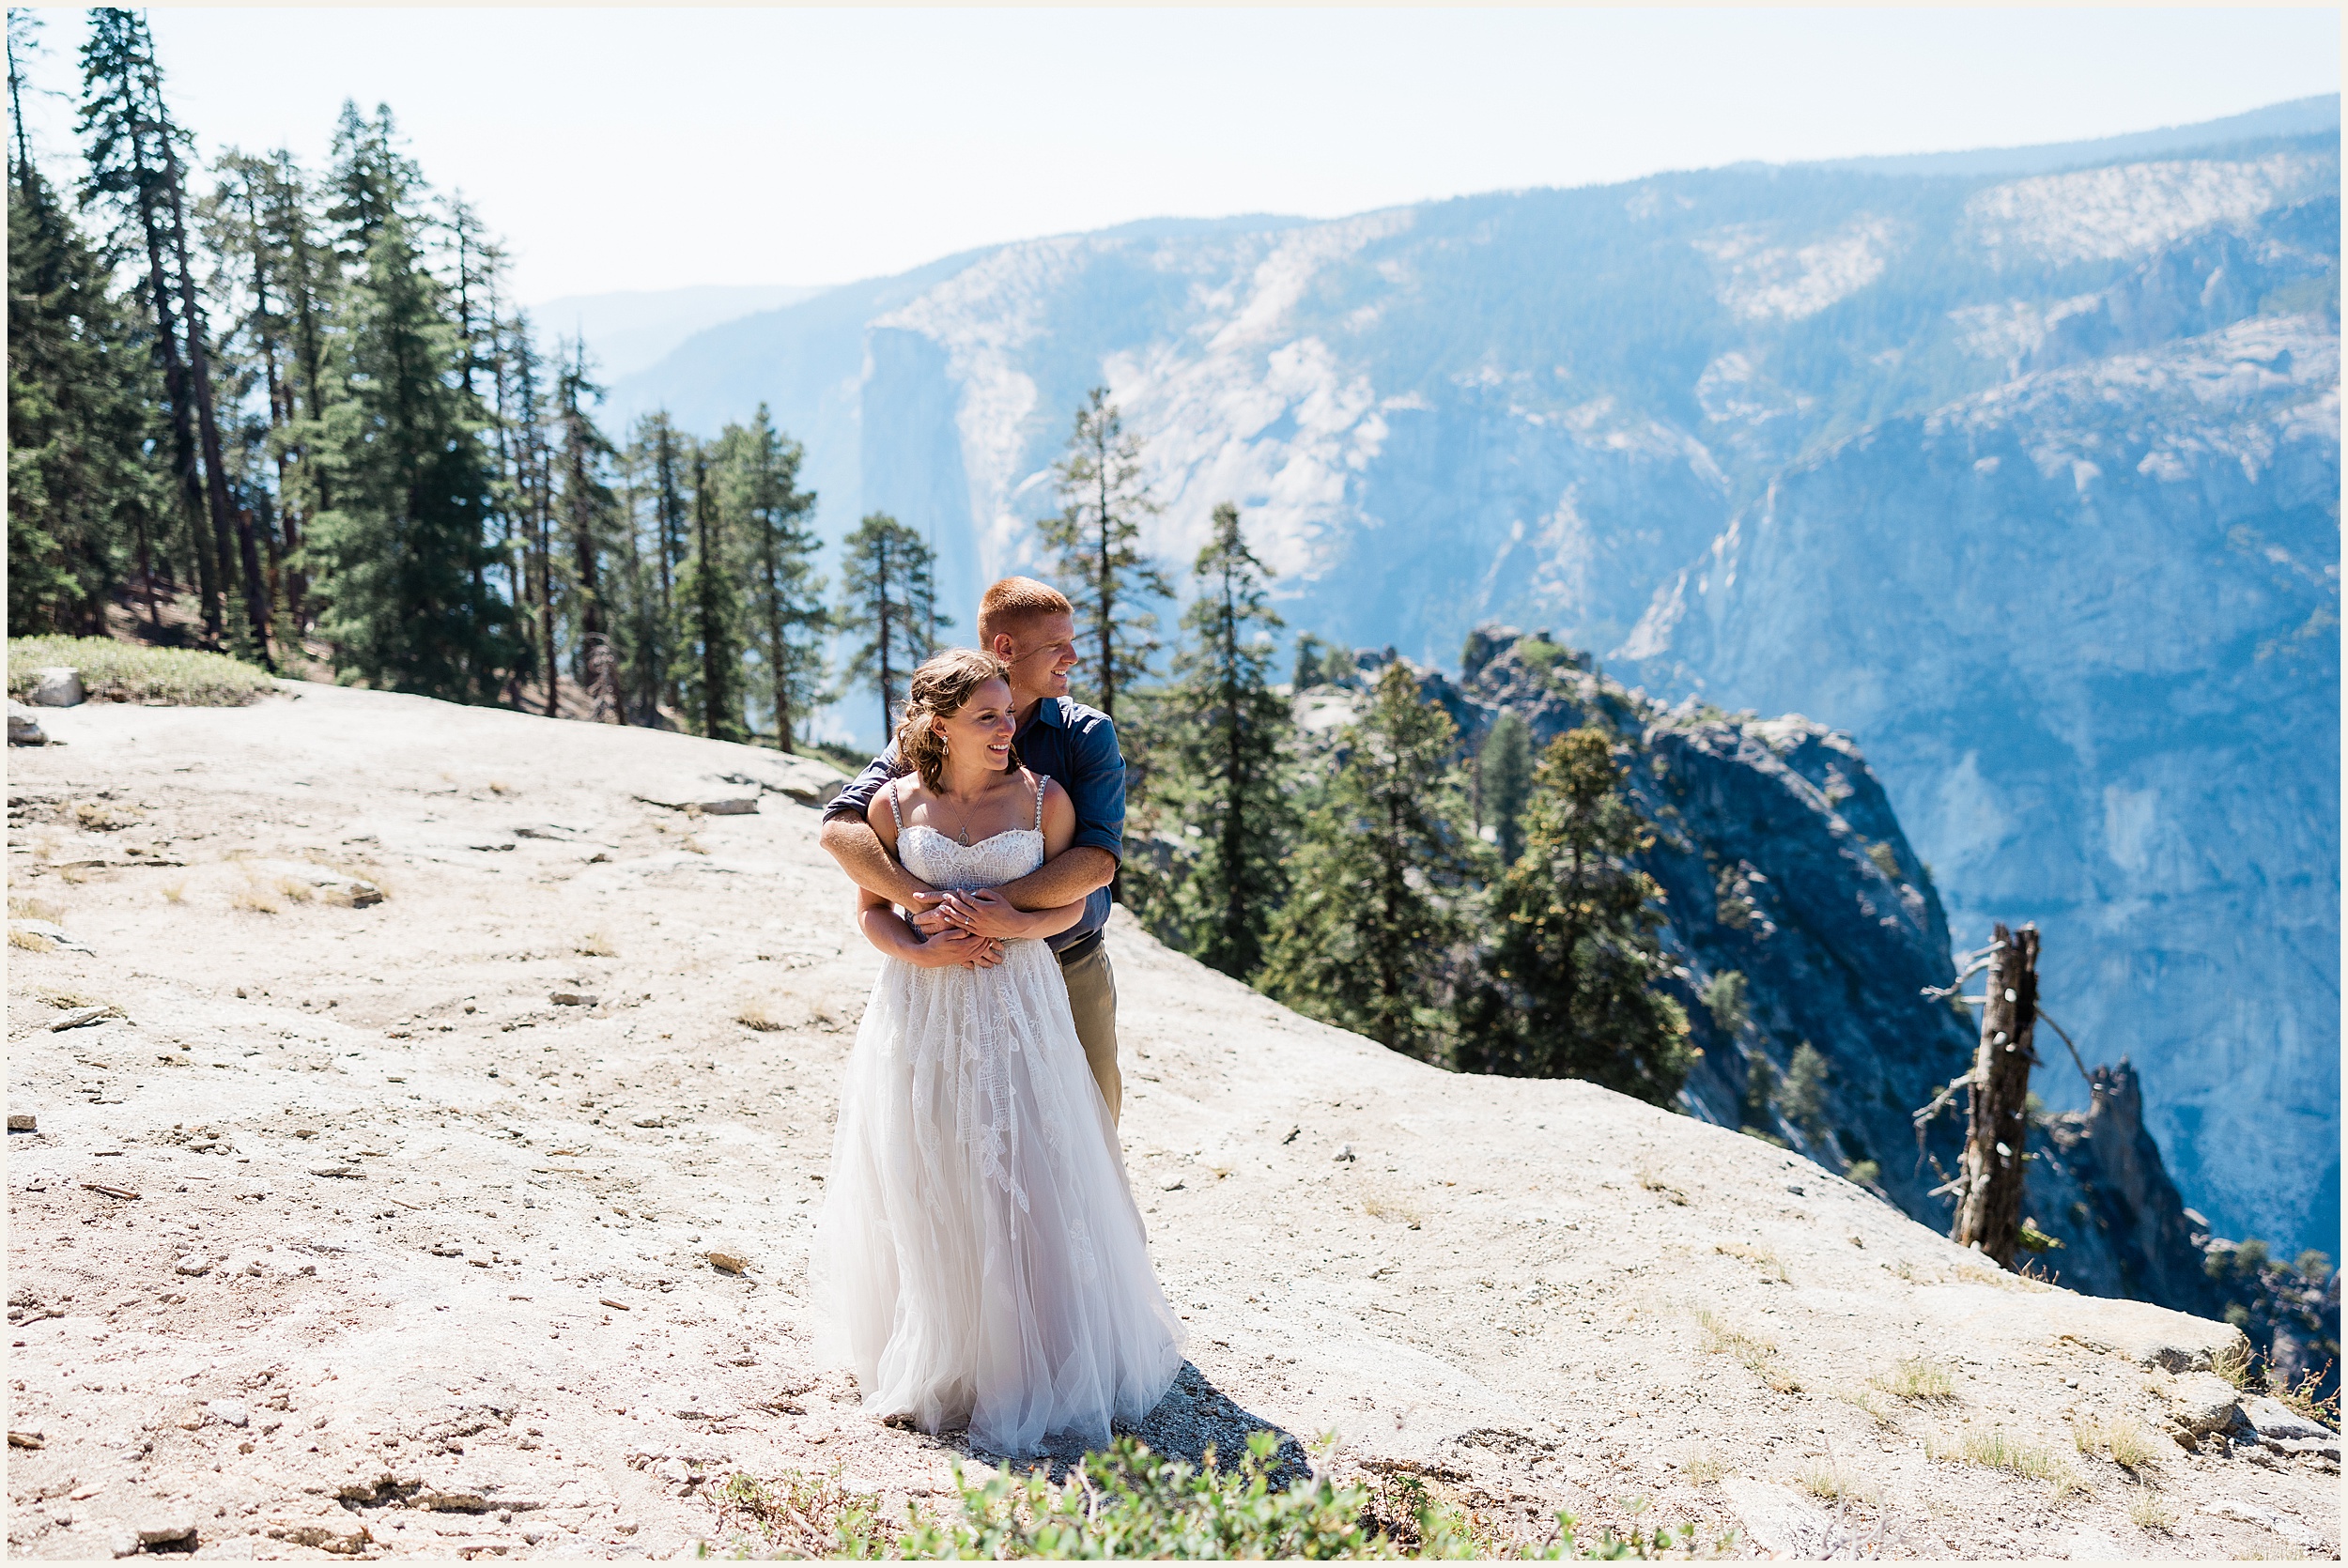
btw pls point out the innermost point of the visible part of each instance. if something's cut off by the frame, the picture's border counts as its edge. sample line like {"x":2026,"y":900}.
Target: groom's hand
{"x":987,"y":912}
{"x":929,"y":915}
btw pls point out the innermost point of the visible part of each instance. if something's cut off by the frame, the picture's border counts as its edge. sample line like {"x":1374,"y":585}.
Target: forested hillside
{"x":2022,"y":467}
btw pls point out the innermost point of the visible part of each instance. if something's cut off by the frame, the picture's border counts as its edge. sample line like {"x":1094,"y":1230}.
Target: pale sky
{"x":654,"y":148}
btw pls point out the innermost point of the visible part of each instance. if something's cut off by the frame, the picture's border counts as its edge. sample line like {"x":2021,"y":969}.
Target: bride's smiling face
{"x":982,"y":727}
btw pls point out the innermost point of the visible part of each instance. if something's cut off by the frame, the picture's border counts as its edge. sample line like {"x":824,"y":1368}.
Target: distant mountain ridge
{"x":2027,"y":480}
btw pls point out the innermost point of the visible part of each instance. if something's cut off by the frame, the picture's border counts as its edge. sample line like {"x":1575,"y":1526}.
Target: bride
{"x":978,"y":1259}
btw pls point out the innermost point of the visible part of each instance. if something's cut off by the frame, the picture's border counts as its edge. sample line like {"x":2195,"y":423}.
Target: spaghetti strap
{"x":1039,"y":784}
{"x":892,"y":806}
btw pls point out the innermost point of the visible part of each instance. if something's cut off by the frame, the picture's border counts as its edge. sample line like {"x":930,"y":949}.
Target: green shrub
{"x":1724,"y":997}
{"x":1866,"y":1173}
{"x":1886,"y":860}
{"x":1804,"y":1099}
{"x":132,"y":672}
{"x":1130,"y":1502}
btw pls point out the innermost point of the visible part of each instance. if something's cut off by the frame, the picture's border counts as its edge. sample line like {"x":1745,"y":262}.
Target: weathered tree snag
{"x":1989,"y":1181}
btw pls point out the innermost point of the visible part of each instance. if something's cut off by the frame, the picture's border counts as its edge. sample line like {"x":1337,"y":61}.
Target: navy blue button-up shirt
{"x":1062,"y":739}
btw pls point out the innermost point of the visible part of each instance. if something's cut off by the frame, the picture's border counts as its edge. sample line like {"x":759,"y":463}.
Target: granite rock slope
{"x":419,"y":1260}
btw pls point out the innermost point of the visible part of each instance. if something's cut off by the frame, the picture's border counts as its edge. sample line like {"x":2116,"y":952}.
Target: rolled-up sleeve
{"x":1095,"y":781}
{"x":859,"y":796}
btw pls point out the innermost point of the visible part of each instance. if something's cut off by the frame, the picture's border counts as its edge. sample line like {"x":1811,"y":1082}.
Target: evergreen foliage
{"x":1804,"y":1097}
{"x":889,"y":598}
{"x":771,"y":520}
{"x":83,"y":497}
{"x":1104,"y":502}
{"x":400,"y":556}
{"x":1226,"y":733}
{"x":1504,"y":778}
{"x":591,"y":516}
{"x":709,"y":648}
{"x":1377,"y":880}
{"x":1565,"y":981}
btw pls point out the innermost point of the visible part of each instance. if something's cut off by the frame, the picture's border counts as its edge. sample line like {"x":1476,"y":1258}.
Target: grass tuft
{"x":2150,"y":1511}
{"x":1704,"y":1467}
{"x":2131,"y":1446}
{"x":255,"y":898}
{"x":1759,"y":1356}
{"x":1761,"y":1258}
{"x":31,"y":942}
{"x":34,"y":909}
{"x":1823,"y":1479}
{"x":1996,"y":1449}
{"x":130,"y":672}
{"x":596,"y":944}
{"x":1379,"y":1208}
{"x":753,"y":1015}
{"x":294,"y":892}
{"x":174,"y":891}
{"x":1916,"y":1381}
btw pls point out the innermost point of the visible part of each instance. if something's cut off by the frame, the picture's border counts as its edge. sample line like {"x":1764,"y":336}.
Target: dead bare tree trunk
{"x":1989,"y":1181}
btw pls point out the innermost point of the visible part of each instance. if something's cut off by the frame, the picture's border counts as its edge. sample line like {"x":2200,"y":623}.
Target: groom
{"x":1032,"y":629}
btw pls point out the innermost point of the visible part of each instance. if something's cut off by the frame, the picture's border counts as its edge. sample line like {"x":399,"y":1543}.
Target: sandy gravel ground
{"x":426,"y":1189}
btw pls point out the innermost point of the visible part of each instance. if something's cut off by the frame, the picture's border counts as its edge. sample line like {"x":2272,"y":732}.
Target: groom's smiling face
{"x":1041,"y":657}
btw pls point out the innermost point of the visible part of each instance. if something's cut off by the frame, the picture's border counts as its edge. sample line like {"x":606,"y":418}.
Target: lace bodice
{"x":989,"y":863}
{"x":943,"y":862}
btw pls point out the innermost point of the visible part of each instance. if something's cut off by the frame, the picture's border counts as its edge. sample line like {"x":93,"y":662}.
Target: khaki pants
{"x":1093,"y":998}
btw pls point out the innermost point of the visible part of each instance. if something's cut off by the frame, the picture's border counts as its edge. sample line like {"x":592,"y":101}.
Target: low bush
{"x":1126,"y":1501}
{"x":132,"y":672}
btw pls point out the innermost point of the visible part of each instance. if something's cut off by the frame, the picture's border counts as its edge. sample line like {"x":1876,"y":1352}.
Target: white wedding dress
{"x":978,"y":1259}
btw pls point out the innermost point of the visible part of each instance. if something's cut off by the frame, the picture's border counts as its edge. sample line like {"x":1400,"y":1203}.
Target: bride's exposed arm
{"x":987,"y":913}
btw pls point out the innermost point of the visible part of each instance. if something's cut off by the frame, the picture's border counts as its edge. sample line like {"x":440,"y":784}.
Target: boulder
{"x":2275,"y":1422}
{"x":25,"y":726}
{"x":2202,"y":1403}
{"x":57,"y":686}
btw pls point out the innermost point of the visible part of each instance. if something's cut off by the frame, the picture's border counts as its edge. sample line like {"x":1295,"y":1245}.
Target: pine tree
{"x":1228,"y":730}
{"x":590,"y":514}
{"x":1104,"y":501}
{"x":526,"y":499}
{"x":133,"y":150}
{"x":82,"y":498}
{"x":303,"y":269}
{"x":661,"y":457}
{"x":769,"y":515}
{"x":1566,"y":982}
{"x":399,"y":552}
{"x":889,"y":598}
{"x":1504,"y":778}
{"x":1373,"y":914}
{"x":710,"y":656}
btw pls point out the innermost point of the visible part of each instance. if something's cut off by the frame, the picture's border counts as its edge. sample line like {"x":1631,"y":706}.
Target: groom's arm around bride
{"x":1031,"y":628}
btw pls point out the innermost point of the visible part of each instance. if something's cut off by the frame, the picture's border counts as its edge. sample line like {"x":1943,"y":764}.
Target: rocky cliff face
{"x":1782,"y":862}
{"x":2029,"y":477}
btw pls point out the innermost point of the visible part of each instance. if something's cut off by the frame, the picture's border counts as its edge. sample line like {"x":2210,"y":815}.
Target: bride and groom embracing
{"x":979,"y":1261}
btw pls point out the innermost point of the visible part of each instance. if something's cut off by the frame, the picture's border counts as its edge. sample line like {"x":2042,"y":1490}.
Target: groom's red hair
{"x":1010,"y":604}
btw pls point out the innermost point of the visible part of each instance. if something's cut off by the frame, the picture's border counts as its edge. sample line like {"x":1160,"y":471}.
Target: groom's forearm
{"x":871,"y":867}
{"x":1068,"y":877}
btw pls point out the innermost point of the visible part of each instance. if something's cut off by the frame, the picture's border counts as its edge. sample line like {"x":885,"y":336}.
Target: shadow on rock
{"x":1194,"y":1417}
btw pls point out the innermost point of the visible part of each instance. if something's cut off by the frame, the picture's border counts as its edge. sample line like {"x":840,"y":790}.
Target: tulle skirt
{"x":978,"y":1259}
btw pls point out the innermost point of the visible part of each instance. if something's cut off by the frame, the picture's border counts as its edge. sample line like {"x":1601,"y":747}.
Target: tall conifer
{"x":1566,"y":984}
{"x":889,"y":596}
{"x":770,"y":517}
{"x":710,"y":657}
{"x":1386,"y":857}
{"x":400,"y":548}
{"x":1228,"y":730}
{"x":1104,"y":502}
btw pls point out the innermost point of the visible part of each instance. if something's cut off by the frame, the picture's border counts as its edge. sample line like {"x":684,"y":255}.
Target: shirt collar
{"x":1048,"y":712}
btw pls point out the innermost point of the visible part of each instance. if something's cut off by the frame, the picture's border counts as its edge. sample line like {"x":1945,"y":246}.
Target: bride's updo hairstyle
{"x":938,"y":690}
